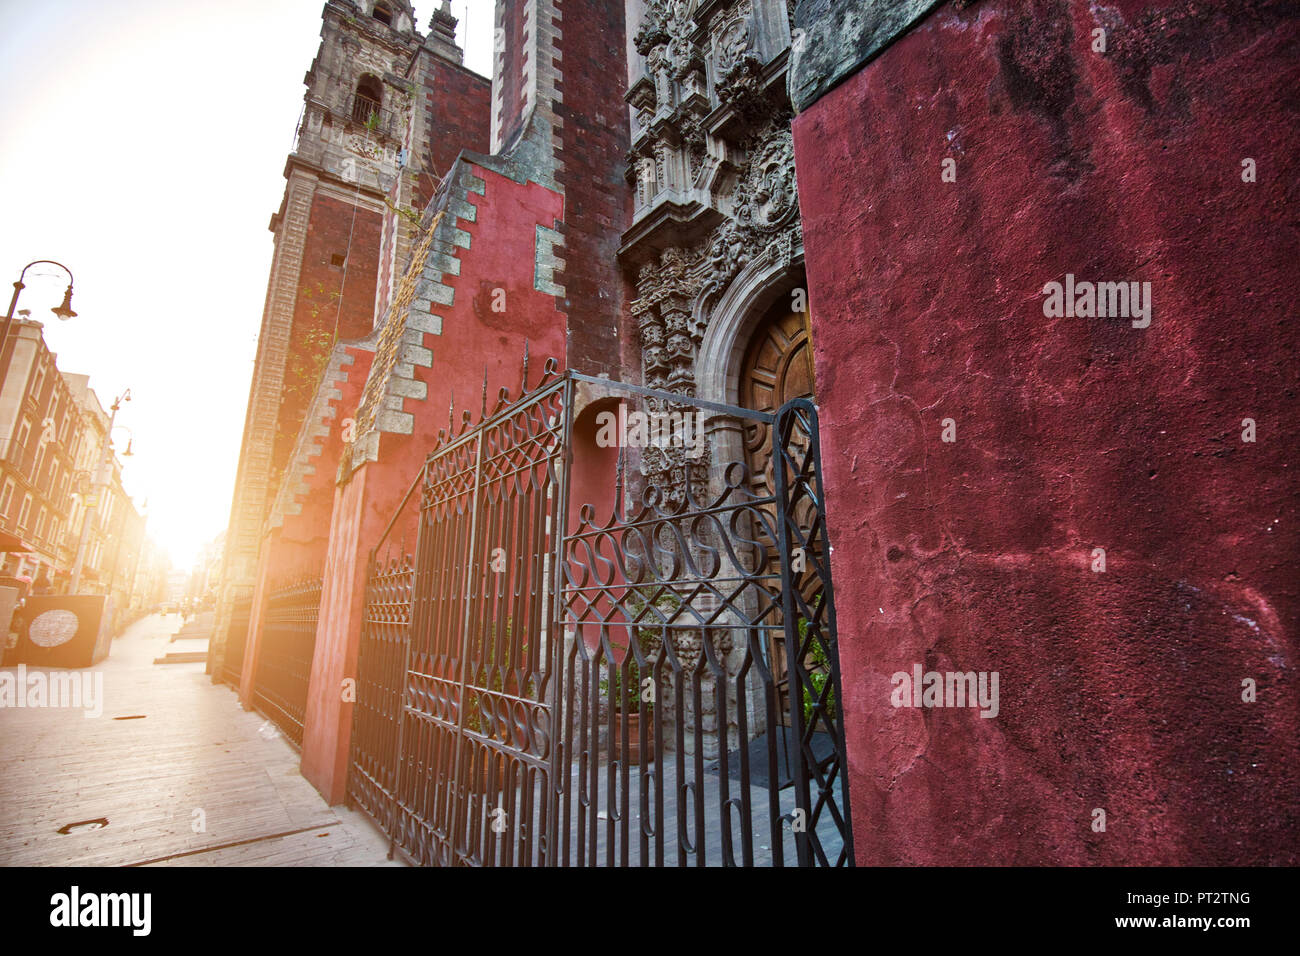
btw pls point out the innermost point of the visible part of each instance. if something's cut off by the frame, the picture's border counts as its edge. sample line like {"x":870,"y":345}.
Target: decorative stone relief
{"x":712,"y":167}
{"x":765,"y":227}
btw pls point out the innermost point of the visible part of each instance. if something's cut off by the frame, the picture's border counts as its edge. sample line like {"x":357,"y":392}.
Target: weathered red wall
{"x":328,"y":302}
{"x":457,"y":115}
{"x":595,"y":139}
{"x":304,"y":536}
{"x":1119,"y":690}
{"x":327,"y":723}
{"x":474,"y":340}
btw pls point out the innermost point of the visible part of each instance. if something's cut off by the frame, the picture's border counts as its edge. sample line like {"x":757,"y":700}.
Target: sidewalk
{"x":189,"y":778}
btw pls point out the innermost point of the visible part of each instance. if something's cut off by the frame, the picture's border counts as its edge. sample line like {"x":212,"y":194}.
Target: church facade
{"x":940,"y":578}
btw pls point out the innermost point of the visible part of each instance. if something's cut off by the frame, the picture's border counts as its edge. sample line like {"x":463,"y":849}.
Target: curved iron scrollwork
{"x":808,"y":602}
{"x":599,"y":686}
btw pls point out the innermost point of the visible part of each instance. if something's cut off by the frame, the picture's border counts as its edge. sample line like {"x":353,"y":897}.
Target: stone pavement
{"x":182,"y":775}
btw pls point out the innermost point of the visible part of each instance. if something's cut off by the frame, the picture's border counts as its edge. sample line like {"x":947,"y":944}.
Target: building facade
{"x":372,"y":143}
{"x":831,"y":230}
{"x":55,"y":433}
{"x":44,"y":434}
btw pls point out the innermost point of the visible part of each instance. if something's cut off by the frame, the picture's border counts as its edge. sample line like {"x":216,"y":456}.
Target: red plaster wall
{"x":457,"y":115}
{"x":257,"y":610}
{"x":1119,"y":690}
{"x":332,"y":229}
{"x":474,"y":338}
{"x":595,"y":139}
{"x":304,"y":536}
{"x":327,"y":724}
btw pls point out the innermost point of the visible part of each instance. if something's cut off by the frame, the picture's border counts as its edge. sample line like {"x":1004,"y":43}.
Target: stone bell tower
{"x":344,"y":179}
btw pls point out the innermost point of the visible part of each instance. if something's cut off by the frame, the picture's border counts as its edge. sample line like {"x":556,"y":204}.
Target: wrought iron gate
{"x":544,"y":684}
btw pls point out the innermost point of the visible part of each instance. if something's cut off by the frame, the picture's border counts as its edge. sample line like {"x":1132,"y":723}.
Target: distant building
{"x":43,"y":437}
{"x":53,"y":435}
{"x":206,"y":574}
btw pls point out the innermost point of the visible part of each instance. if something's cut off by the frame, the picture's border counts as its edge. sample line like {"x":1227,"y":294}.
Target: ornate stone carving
{"x":770,"y":183}
{"x":731,"y":46}
{"x":713,"y":167}
{"x":766,"y":216}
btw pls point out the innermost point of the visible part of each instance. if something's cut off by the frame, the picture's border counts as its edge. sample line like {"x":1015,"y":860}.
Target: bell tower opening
{"x":369,"y":98}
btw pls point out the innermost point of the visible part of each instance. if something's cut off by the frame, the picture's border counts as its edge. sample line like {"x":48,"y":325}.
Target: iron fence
{"x":601,"y":684}
{"x":381,"y":676}
{"x":288,"y":641}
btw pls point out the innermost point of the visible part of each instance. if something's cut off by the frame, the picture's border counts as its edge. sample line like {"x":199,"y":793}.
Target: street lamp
{"x":101,"y":480}
{"x":63,"y":310}
{"x":130,"y":435}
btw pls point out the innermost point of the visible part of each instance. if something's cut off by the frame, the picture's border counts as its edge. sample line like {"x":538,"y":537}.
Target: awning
{"x":12,"y":543}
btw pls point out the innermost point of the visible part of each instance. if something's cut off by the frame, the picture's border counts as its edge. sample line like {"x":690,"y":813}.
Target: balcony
{"x":368,"y":113}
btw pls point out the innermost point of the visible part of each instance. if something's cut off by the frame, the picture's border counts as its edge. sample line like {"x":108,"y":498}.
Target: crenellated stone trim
{"x":313,"y":435}
{"x":402,"y":343}
{"x":545,"y":262}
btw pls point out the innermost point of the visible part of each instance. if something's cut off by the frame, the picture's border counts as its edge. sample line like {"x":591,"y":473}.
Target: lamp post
{"x":63,"y":311}
{"x":100,"y":481}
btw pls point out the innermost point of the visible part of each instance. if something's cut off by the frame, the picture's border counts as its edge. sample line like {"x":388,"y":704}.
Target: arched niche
{"x":743,"y":306}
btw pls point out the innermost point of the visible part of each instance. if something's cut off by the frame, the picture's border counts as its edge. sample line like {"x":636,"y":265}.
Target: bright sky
{"x":143,"y":145}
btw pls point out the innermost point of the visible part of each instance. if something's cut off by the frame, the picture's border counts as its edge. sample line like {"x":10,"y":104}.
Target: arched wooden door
{"x":778,"y":367}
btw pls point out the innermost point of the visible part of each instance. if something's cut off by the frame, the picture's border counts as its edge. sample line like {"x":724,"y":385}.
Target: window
{"x":368,"y":101}
{"x":337,"y":260}
{"x":6,"y":497}
{"x":20,"y":446}
{"x":383,"y":14}
{"x":41,"y":518}
{"x":24,"y":512}
{"x":38,"y":381}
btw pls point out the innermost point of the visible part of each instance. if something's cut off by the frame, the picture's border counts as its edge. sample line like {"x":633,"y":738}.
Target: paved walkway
{"x":181,"y":773}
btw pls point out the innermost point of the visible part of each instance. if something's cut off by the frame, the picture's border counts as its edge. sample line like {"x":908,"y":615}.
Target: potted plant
{"x":819,"y":674}
{"x":634,"y":697}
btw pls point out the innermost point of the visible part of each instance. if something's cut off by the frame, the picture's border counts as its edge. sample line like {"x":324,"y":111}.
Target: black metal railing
{"x":364,"y":109}
{"x":602,"y":687}
{"x":288,"y":641}
{"x":359,"y":113}
{"x":381,"y":675}
{"x":369,"y":114}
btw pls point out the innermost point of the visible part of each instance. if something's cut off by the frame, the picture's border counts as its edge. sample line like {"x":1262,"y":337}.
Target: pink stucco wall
{"x":1119,"y":690}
